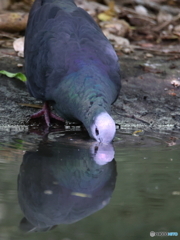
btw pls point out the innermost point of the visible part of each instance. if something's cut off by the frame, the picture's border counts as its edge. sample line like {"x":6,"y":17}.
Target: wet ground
{"x":147,"y":101}
{"x":65,"y":178}
{"x":148,"y":94}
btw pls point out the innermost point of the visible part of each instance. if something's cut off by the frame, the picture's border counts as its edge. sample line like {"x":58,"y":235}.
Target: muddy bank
{"x":147,"y":101}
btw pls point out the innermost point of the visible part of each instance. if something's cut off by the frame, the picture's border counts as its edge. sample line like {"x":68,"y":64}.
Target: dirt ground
{"x":148,"y":100}
{"x":147,"y":43}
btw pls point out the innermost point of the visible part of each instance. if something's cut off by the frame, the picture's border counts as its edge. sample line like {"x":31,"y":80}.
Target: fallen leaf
{"x":119,"y":41}
{"x":163,"y":16}
{"x":116,"y":27}
{"x":137,"y":133}
{"x":108,"y":14}
{"x":92,"y":7}
{"x":18,"y":75}
{"x":104,"y":17}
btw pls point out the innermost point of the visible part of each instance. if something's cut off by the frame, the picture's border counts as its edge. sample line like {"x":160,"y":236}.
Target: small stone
{"x":149,"y":55}
{"x":176,"y":193}
{"x":175,"y":83}
{"x":20,"y":65}
{"x":141,"y":10}
{"x":127,"y":50}
{"x":18,"y":45}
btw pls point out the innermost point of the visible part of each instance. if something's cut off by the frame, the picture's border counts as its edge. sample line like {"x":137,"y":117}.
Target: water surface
{"x":90,"y":196}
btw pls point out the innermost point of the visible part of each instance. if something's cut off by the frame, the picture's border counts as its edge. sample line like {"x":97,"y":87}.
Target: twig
{"x":133,"y":117}
{"x":158,"y":7}
{"x":30,"y":105}
{"x":148,"y":18}
{"x":161,"y":52}
{"x":165,"y":24}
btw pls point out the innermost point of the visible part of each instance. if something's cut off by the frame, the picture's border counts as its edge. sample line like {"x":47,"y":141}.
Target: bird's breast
{"x":79,"y":91}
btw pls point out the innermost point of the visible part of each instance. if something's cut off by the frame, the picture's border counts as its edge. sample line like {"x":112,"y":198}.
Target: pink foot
{"x":47,"y":114}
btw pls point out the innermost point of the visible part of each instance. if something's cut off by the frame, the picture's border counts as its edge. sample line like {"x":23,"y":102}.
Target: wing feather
{"x":59,"y":42}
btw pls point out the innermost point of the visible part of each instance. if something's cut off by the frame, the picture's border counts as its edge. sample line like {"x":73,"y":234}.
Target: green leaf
{"x":18,"y":75}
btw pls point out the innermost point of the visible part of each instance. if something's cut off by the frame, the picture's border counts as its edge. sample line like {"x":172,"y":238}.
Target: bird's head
{"x":103,"y":128}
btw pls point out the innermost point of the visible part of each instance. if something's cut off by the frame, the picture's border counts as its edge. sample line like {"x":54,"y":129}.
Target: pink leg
{"x":47,"y":114}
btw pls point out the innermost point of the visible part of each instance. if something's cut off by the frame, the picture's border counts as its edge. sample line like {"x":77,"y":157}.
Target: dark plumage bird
{"x":69,"y":62}
{"x":64,"y":182}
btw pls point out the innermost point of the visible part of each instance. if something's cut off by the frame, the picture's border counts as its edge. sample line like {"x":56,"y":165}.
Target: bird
{"x":62,"y":182}
{"x":71,"y":65}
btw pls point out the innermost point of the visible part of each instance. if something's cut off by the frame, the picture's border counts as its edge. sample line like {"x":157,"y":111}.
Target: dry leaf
{"x":164,"y":17}
{"x":104,"y":17}
{"x":91,"y":7}
{"x":116,"y":27}
{"x":137,"y":133}
{"x":118,"y":41}
{"x":108,"y":14}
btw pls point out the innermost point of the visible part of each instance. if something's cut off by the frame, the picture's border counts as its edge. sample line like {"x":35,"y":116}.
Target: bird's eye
{"x":97,"y":132}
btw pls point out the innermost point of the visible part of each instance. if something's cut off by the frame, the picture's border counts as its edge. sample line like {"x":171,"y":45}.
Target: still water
{"x":66,"y":187}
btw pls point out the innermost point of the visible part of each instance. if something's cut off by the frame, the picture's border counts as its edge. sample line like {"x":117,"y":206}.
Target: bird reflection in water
{"x":62,"y":183}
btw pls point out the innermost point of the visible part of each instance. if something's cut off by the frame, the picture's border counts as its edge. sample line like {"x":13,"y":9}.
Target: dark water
{"x":69,"y":181}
